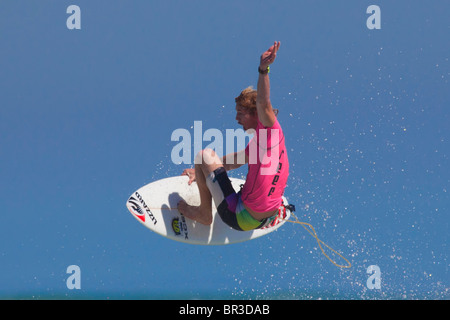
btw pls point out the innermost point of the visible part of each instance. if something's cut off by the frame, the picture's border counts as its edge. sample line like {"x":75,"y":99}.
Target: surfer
{"x":256,"y":205}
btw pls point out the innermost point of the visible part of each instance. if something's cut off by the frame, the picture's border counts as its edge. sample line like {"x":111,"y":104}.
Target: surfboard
{"x":155,"y":206}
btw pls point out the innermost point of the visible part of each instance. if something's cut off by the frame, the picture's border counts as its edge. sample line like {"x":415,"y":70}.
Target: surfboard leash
{"x":313,"y":233}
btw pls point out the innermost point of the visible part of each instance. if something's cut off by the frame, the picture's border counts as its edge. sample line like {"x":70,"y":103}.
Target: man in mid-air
{"x":256,"y":205}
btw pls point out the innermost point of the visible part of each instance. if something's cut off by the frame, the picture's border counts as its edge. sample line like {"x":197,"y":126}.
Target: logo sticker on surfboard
{"x":180,"y":227}
{"x":139,"y":208}
{"x":135,"y":208}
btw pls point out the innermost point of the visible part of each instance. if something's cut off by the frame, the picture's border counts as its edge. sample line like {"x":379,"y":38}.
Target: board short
{"x":229,"y":203}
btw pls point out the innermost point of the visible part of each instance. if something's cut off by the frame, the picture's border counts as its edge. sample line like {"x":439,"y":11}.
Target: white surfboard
{"x":155,"y":206}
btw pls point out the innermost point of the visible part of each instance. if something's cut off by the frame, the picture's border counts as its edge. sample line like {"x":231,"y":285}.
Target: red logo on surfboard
{"x":135,"y":208}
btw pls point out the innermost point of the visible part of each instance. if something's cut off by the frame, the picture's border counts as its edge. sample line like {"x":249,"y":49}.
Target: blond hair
{"x":247,"y":99}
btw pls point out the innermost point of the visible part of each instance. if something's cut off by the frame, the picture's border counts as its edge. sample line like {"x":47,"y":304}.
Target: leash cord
{"x":313,"y":233}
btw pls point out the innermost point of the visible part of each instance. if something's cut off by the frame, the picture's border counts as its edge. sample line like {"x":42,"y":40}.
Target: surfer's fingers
{"x":191,"y":175}
{"x":277,"y":46}
{"x":186,"y":172}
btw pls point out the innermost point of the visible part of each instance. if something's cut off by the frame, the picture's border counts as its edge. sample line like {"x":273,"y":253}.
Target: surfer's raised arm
{"x":266,"y":114}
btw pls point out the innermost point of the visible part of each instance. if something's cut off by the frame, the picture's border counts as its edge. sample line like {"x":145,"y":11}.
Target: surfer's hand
{"x":191,"y":174}
{"x":268,"y":57}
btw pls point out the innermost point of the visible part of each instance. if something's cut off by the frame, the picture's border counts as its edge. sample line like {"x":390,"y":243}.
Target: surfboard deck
{"x":155,"y":206}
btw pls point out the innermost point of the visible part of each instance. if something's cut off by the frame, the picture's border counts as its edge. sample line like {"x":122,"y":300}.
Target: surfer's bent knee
{"x":208,"y":158}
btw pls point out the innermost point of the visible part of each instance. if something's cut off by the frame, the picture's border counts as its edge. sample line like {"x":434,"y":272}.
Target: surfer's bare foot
{"x":194,"y":213}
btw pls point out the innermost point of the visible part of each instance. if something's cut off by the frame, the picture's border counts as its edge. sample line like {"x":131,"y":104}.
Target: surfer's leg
{"x":206,"y":162}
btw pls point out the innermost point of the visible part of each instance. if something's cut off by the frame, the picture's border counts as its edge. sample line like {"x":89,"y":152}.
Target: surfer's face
{"x":246,"y":118}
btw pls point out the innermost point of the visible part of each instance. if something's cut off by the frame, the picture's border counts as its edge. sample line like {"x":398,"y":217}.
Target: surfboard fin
{"x":290,"y":207}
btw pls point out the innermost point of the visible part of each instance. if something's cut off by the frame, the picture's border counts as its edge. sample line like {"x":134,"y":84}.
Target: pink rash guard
{"x":268,"y":169}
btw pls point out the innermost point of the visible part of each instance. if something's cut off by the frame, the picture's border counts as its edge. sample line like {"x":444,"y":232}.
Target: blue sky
{"x":86,"y":118}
